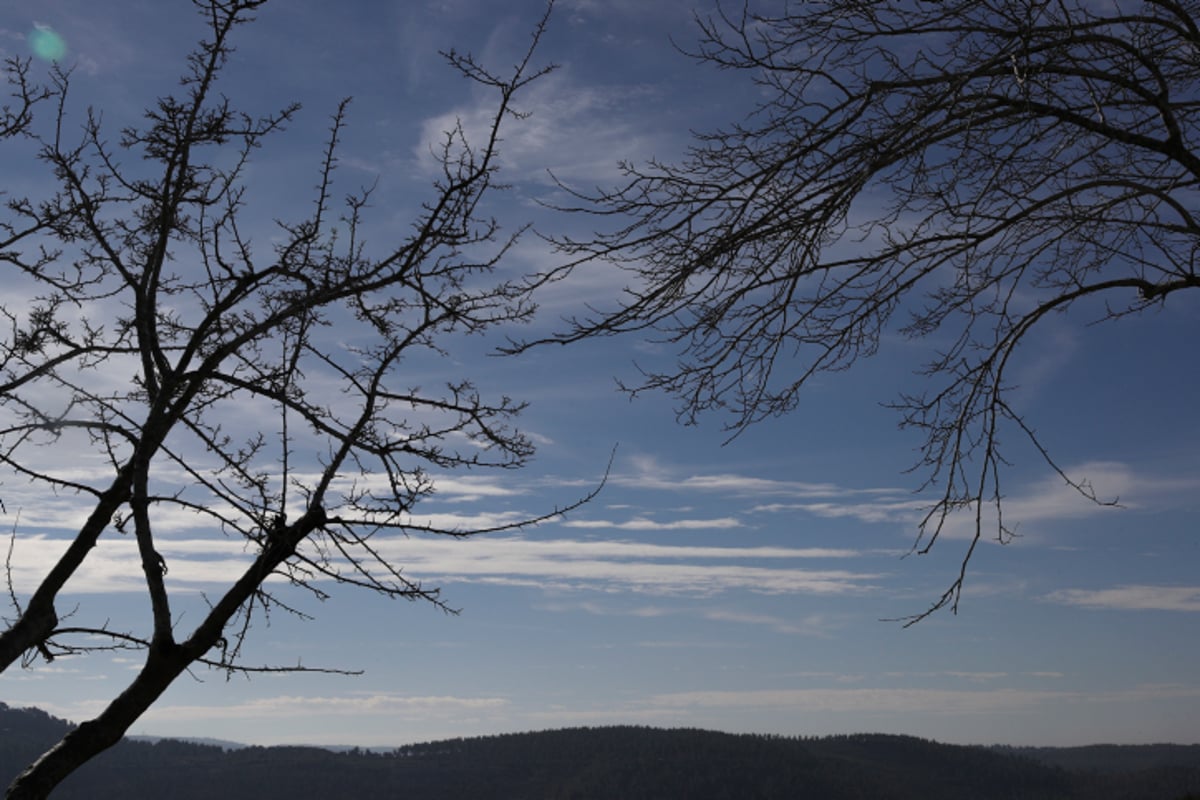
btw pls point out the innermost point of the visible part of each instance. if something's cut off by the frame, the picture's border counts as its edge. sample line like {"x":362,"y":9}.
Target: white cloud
{"x":651,"y":476}
{"x":470,"y":489}
{"x":1050,"y":499}
{"x":884,"y":510}
{"x":808,"y":625}
{"x":578,"y":132}
{"x":1132,"y":598}
{"x":557,"y":564}
{"x":1047,"y":499}
{"x":643,"y":524}
{"x":597,"y":609}
{"x":1053,"y":498}
{"x":565,"y":564}
{"x":974,"y":677}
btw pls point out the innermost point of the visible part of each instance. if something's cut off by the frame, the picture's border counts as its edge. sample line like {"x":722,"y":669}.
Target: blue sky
{"x":735,"y":586}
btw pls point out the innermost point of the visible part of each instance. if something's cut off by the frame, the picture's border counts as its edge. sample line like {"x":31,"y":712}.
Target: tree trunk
{"x":165,"y":662}
{"x":34,"y":626}
{"x":39,"y":618}
{"x":163,"y":665}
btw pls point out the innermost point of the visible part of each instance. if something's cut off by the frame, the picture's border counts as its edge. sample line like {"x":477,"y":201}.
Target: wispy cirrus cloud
{"x":643,"y":524}
{"x":884,"y":509}
{"x":1051,"y":498}
{"x":578,"y":133}
{"x":468,"y":489}
{"x":973,"y":677}
{"x":569,"y":565}
{"x":551,"y":564}
{"x":648,"y":473}
{"x":806,"y":625}
{"x":1048,"y":499}
{"x":1131,"y":598}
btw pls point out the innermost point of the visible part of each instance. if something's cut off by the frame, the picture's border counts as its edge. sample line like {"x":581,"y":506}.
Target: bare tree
{"x":146,"y":336}
{"x":16,"y":117}
{"x":953,"y":171}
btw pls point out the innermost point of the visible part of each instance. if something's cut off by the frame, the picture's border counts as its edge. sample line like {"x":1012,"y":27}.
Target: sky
{"x":742,"y":585}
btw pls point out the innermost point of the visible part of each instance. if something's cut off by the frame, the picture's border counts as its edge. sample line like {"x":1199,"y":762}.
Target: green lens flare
{"x":46,"y":44}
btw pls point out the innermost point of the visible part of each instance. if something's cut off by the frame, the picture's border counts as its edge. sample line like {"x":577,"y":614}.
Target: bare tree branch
{"x":156,"y":277}
{"x":953,"y":172}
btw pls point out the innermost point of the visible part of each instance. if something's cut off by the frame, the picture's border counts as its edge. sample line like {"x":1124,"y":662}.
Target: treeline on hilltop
{"x":626,"y":762}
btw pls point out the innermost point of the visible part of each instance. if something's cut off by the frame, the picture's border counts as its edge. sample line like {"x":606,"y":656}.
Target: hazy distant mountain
{"x":624,"y":762}
{"x":224,"y":744}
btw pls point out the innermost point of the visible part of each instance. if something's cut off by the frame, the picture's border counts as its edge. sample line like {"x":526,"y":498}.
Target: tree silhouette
{"x":257,"y":389}
{"x":954,"y":172}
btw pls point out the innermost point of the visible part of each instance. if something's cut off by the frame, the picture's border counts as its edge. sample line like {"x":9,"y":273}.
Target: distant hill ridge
{"x":625,"y":762}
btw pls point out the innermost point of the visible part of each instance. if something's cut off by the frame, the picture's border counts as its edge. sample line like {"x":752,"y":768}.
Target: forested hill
{"x":625,"y":762}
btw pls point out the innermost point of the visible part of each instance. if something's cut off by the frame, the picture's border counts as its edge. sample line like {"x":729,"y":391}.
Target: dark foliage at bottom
{"x":625,"y":762}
